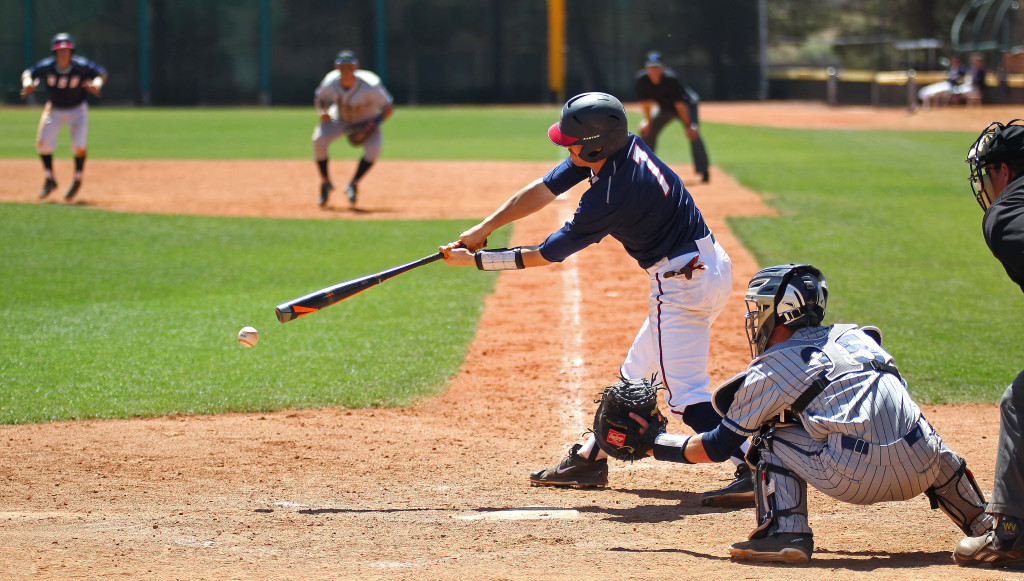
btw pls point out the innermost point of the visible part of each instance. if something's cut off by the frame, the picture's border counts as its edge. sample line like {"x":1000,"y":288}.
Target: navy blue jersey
{"x":1003,"y":226}
{"x":65,"y":87}
{"x":635,"y":198}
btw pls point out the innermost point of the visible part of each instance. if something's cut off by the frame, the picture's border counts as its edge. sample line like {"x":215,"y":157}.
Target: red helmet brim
{"x":559,"y":138}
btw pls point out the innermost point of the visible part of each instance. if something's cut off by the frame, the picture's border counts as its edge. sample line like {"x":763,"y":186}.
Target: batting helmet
{"x":794,"y":295}
{"x":997,"y":144}
{"x":346,"y":57}
{"x":595,"y":120}
{"x":62,"y":40}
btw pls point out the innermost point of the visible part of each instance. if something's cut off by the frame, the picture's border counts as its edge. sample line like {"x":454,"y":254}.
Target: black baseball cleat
{"x":48,"y":186}
{"x":705,"y":177}
{"x":350,"y":193}
{"x":325,"y":192}
{"x":1000,"y":546}
{"x":738,"y":493}
{"x":75,"y":185}
{"x":790,"y":548}
{"x":573,"y":471}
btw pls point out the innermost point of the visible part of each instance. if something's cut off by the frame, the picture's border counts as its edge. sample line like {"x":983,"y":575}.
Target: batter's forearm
{"x":525,"y":202}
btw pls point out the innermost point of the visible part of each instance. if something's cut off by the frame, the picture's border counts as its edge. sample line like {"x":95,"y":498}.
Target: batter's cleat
{"x":1000,"y":546}
{"x":75,"y":185}
{"x":325,"y":192}
{"x":48,"y":186}
{"x":350,"y":193}
{"x":573,"y":471}
{"x":790,"y":548}
{"x":738,"y":493}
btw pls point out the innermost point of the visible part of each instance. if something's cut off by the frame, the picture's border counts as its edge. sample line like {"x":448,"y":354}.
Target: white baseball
{"x":248,"y":336}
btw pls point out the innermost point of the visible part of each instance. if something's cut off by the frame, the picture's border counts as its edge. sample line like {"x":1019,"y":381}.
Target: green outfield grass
{"x":890,"y":219}
{"x":442,"y":133}
{"x":110,"y":315}
{"x":115,"y":315}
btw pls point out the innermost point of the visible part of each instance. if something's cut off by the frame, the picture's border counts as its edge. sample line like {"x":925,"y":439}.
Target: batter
{"x":68,"y":79}
{"x":635,"y":198}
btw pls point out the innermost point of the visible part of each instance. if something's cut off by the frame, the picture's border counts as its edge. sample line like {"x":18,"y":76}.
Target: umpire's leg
{"x":1009,"y":476}
{"x":700,"y":154}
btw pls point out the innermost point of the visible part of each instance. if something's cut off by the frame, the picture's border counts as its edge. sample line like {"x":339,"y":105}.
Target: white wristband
{"x":500,"y":259}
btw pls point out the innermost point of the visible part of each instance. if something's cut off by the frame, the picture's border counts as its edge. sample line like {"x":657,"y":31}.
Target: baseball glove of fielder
{"x":617,"y":433}
{"x":362,"y":132}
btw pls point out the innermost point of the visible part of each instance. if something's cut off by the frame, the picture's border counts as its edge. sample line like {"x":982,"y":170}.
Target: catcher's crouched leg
{"x":573,"y":471}
{"x":958,"y":495}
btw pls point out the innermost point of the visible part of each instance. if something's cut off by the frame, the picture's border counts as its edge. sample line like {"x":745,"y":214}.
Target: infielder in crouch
{"x":635,"y":198}
{"x":67,"y":78}
{"x":825,"y":406}
{"x":351,"y":102}
{"x":997,"y":177}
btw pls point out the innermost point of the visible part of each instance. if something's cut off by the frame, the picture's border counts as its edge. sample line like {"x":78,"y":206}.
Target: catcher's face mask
{"x":794,"y":295}
{"x":997,"y":144}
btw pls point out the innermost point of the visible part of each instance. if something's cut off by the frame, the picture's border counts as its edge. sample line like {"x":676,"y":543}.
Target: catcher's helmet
{"x":346,"y":57}
{"x":793,"y":295}
{"x":62,"y":40}
{"x":595,"y":120}
{"x":997,"y":144}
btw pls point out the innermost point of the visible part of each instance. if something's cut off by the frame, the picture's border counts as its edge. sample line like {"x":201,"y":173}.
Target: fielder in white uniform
{"x":349,"y":100}
{"x":823,"y":405}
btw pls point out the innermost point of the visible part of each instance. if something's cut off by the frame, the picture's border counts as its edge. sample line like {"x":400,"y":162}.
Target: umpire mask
{"x":793,"y":295}
{"x":996,"y":145}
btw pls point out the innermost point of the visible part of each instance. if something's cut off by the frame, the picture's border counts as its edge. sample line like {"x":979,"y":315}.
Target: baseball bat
{"x":326,"y":297}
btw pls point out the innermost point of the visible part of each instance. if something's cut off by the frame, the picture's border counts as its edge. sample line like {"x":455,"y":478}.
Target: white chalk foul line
{"x":572,"y":362}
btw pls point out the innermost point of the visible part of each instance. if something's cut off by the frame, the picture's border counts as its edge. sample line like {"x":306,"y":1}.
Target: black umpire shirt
{"x":665,"y":93}
{"x":1003,"y":225}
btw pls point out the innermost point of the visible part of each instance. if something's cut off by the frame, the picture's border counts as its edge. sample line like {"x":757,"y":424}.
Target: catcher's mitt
{"x":617,"y":433}
{"x":362,"y":132}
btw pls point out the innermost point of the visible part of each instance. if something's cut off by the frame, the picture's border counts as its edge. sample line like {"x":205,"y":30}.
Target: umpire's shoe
{"x":325,"y":192}
{"x":791,"y":548}
{"x":48,"y":186}
{"x":574,"y":470}
{"x":738,"y":493}
{"x":1001,"y":546}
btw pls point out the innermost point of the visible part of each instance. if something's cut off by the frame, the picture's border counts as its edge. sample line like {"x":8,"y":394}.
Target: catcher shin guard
{"x":779,"y":493}
{"x":957,"y":494}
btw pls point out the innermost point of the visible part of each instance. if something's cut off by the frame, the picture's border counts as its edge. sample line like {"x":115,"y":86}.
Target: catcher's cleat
{"x":325,"y":192}
{"x":350,"y":193}
{"x":1000,"y":546}
{"x":738,"y":493}
{"x":75,"y":185}
{"x":791,"y":548}
{"x":574,"y":470}
{"x":48,"y":186}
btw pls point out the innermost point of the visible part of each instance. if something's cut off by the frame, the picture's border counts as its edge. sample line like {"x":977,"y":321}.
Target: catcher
{"x":351,"y":102}
{"x":823,"y":405}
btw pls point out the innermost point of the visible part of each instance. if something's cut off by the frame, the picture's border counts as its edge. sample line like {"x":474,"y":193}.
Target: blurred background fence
{"x":249,"y":52}
{"x":192,"y":52}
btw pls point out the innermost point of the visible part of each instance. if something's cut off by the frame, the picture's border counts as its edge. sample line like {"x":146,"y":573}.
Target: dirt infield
{"x":438,"y":490}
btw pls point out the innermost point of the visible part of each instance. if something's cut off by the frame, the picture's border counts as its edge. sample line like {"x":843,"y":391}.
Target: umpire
{"x":997,"y":177}
{"x":660,"y":92}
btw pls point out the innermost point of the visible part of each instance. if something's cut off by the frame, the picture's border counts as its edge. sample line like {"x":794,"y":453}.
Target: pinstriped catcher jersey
{"x":859,"y":401}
